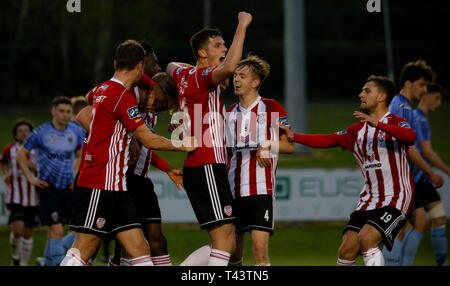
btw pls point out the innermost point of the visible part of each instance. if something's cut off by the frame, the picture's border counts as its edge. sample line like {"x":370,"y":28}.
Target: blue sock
{"x":47,"y":254}
{"x":392,"y":258}
{"x":411,"y":244}
{"x":68,"y":241}
{"x":439,"y":241}
{"x":57,"y":251}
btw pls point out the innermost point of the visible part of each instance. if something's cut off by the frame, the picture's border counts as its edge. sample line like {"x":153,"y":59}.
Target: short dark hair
{"x":19,"y":122}
{"x":434,"y":87}
{"x":61,"y":100}
{"x":201,"y":38}
{"x":129,"y":54}
{"x":384,"y":84}
{"x":257,"y":65}
{"x":147,"y":47}
{"x":413,"y":71}
{"x":78,"y":103}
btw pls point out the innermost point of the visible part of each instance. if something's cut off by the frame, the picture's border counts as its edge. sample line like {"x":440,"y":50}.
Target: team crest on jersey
{"x":133,"y":112}
{"x":54,"y":216}
{"x":100,"y":223}
{"x":342,"y":132}
{"x":228,"y":210}
{"x":206,"y":71}
{"x":52,"y":140}
{"x":404,"y":124}
{"x":70,"y":140}
{"x":261,"y":118}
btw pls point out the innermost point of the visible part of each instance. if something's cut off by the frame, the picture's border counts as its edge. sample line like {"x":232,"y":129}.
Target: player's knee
{"x":367,"y":240}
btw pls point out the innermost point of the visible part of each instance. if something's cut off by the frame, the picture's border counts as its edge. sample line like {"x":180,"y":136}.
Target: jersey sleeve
{"x":423,"y":129}
{"x":33,"y":140}
{"x":346,"y":138}
{"x":204,"y":77}
{"x":275,"y":107}
{"x":128,"y":113}
{"x":6,"y":155}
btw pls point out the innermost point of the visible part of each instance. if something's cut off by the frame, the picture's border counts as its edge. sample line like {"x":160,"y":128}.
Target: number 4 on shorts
{"x":266,"y":215}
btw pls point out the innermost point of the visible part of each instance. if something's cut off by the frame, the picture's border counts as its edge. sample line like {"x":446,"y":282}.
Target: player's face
{"x":23,"y":131}
{"x":62,"y":113}
{"x":369,"y":97}
{"x":151,"y":66}
{"x":418,"y":88}
{"x":244,"y":81}
{"x":435,"y":100}
{"x":216,"y":50}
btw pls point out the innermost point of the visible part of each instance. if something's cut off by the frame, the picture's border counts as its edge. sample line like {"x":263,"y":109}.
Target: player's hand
{"x":436,"y":179}
{"x":189,"y":144}
{"x":288,"y":132}
{"x":7,"y":179}
{"x":176,"y":175}
{"x":263,"y":154}
{"x":365,"y":118}
{"x":245,"y":18}
{"x":39,"y":183}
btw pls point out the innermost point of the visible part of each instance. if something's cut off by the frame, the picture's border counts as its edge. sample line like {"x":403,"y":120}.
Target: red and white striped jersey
{"x":203,"y":111}
{"x":142,"y":166}
{"x":247,"y":129}
{"x":384,"y":164}
{"x":19,"y":191}
{"x":114,"y":114}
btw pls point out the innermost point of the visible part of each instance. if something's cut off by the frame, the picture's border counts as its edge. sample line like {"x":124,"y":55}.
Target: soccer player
{"x":414,"y":78}
{"x":426,"y":198}
{"x":102,"y":206}
{"x":380,"y":145}
{"x":21,"y":196}
{"x":57,"y":143}
{"x":204,"y":173}
{"x":138,"y":183}
{"x":252,"y":181}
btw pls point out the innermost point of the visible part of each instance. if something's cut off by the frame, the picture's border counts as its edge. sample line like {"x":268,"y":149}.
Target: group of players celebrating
{"x":229,"y":172}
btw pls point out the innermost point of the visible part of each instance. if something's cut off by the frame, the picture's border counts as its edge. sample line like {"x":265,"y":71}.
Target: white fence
{"x":301,"y":195}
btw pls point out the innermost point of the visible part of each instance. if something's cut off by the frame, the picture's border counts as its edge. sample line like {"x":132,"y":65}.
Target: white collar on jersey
{"x":136,"y":94}
{"x":384,"y":116}
{"x":258,"y":99}
{"x":118,"y":81}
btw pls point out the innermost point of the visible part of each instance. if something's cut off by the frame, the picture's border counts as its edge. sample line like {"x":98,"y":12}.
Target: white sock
{"x":124,"y":262}
{"x":199,"y":257}
{"x":27,"y":247}
{"x":218,"y":258}
{"x":73,"y":258}
{"x":145,"y":260}
{"x":15,"y":246}
{"x":343,"y":262}
{"x":162,"y":260}
{"x":373,"y":257}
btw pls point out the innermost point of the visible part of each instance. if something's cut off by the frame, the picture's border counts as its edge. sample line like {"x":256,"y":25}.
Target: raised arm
{"x":234,"y":55}
{"x":155,"y":142}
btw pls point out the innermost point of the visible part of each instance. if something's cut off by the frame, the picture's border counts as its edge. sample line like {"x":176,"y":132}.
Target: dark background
{"x":47,"y":51}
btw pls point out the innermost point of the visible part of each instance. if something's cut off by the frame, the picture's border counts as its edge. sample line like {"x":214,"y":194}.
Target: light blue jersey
{"x":55,"y":152}
{"x":423,"y":133}
{"x":400,"y":106}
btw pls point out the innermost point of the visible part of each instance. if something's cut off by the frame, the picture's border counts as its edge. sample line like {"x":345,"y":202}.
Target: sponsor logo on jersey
{"x":228,"y":210}
{"x":206,"y":71}
{"x":284,"y":121}
{"x":100,"y":223}
{"x":373,"y":165}
{"x":103,"y":87}
{"x":133,"y":112}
